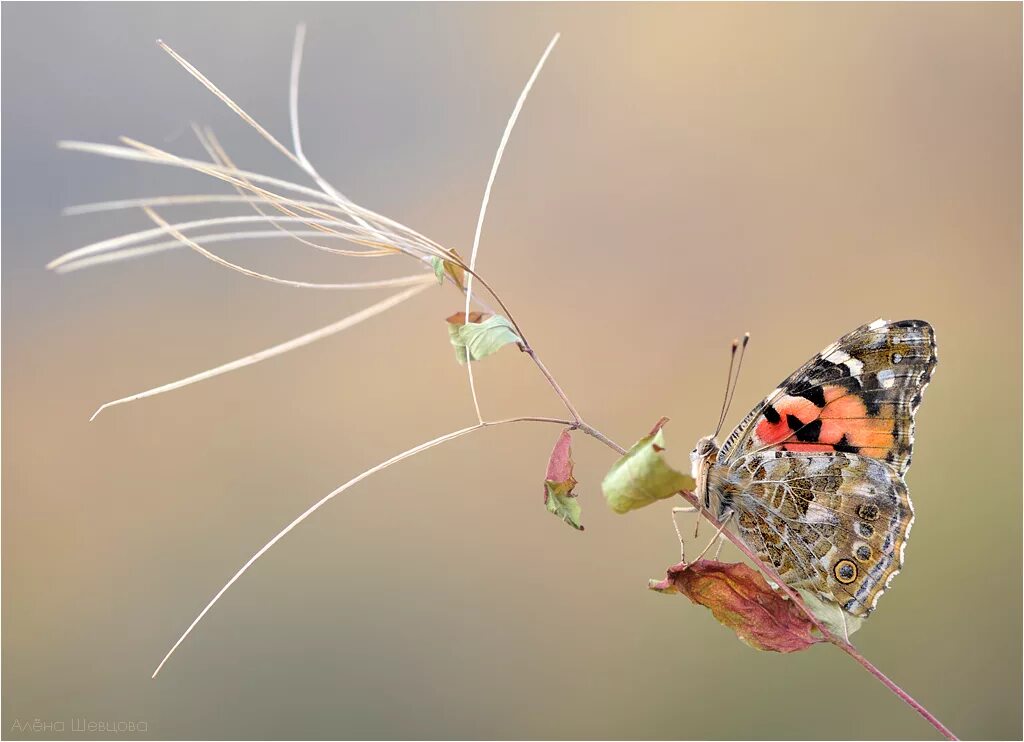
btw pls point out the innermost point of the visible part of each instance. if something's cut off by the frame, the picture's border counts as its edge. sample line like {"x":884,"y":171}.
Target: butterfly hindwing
{"x":858,"y":396}
{"x":833,"y":523}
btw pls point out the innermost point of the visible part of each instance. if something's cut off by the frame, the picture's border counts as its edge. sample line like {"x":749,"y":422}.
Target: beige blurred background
{"x":680,"y":174}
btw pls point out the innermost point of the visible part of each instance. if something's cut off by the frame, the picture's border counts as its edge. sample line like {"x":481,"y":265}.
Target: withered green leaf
{"x":559,"y":483}
{"x":740,"y":598}
{"x":438,"y":266}
{"x":642,"y":476}
{"x":483,"y":335}
{"x":456,"y":271}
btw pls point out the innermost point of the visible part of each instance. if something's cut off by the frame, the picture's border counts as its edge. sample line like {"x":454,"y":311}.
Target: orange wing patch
{"x":843,"y":423}
{"x":859,"y":395}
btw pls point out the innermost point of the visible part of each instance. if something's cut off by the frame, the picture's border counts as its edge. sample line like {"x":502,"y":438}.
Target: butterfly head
{"x":703,"y":455}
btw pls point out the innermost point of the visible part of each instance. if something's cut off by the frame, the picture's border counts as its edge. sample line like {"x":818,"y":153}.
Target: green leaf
{"x":559,"y":482}
{"x":483,"y":335}
{"x":642,"y":476}
{"x":453,"y":269}
{"x":438,"y":268}
{"x":561,"y":500}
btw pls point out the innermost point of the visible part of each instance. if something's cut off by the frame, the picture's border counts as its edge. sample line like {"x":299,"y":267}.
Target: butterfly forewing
{"x":859,"y":395}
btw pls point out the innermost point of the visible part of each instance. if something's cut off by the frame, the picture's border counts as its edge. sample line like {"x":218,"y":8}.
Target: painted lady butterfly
{"x":813,"y":476}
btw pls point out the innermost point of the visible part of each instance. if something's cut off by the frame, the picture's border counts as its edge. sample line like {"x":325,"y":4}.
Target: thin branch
{"x":331,"y":495}
{"x":554,"y":385}
{"x":487,"y":197}
{"x":424,"y":282}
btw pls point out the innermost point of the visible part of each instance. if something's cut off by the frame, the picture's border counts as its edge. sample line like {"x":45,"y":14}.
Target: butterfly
{"x":813,"y":476}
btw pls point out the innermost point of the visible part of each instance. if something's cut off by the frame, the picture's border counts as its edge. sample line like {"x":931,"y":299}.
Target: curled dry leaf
{"x":481,"y":336}
{"x":642,"y":476}
{"x":456,"y":271}
{"x":740,"y":598}
{"x":559,"y":483}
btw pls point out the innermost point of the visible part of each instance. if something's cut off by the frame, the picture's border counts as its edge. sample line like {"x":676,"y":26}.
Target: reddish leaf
{"x":559,"y":483}
{"x":739,"y":598}
{"x":560,"y":463}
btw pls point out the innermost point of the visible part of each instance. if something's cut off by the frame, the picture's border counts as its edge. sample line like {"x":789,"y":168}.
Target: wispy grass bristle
{"x":294,"y":211}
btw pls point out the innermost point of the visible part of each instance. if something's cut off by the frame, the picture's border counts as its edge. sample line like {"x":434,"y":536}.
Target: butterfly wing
{"x":859,"y":396}
{"x":833,"y":523}
{"x":815,"y":472}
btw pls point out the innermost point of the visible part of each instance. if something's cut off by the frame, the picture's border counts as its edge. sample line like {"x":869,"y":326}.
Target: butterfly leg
{"x":718,"y":534}
{"x":679,"y":534}
{"x":721,"y":543}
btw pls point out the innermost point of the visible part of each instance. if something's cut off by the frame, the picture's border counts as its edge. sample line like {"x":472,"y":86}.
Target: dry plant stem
{"x":486,"y":199}
{"x":281,"y":348}
{"x":562,"y":396}
{"x":334,"y":493}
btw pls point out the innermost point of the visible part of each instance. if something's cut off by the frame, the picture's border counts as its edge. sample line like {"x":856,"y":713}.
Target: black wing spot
{"x":806,"y":433}
{"x":844,"y":446}
{"x":867,"y":511}
{"x":771,"y":414}
{"x":845,"y":571}
{"x":813,"y":394}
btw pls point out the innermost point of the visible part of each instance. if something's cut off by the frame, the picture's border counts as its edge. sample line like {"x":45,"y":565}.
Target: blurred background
{"x":680,"y":174}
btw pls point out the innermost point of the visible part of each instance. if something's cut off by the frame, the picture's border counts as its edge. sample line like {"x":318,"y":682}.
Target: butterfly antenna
{"x":728,"y":383}
{"x":736,"y":381}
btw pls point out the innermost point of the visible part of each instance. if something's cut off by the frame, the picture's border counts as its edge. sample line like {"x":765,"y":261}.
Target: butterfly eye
{"x":863,"y":553}
{"x":845,"y":571}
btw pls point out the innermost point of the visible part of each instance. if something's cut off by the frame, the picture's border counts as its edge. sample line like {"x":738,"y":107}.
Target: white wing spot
{"x":886,"y":378}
